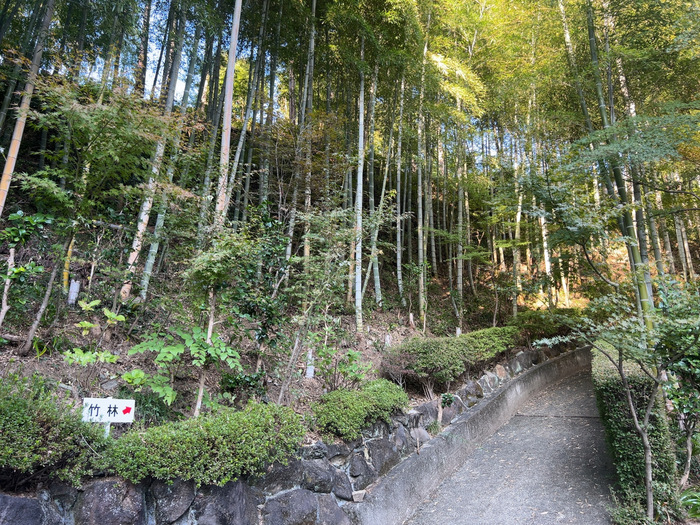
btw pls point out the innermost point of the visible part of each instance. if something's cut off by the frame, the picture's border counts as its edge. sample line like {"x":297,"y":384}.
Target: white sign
{"x":108,"y":410}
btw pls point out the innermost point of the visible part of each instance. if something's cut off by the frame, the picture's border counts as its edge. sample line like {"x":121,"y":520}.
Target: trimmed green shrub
{"x":441,"y":360}
{"x":481,"y":346}
{"x":626,"y":446}
{"x":345,"y":413}
{"x":538,"y":324}
{"x":211,"y":449}
{"x":435,"y":360}
{"x":41,"y":437}
{"x":386,"y":398}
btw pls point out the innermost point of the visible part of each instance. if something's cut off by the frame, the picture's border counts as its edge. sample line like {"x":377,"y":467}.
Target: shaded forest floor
{"x":61,"y":333}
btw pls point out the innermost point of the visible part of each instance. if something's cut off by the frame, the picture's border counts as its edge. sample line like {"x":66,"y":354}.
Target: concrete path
{"x":548,"y":464}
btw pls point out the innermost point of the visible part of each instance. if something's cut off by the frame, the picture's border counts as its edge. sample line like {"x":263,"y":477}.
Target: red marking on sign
{"x":126,"y":410}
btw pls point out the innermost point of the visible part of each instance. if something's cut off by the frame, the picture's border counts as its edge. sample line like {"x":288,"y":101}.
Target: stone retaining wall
{"x":375,"y":480}
{"x":397,"y":495}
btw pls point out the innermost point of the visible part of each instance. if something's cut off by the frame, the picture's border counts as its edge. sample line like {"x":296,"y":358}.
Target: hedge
{"x":538,"y":324}
{"x":443,"y":359}
{"x":345,"y":413}
{"x":481,"y":346}
{"x":625,"y":444}
{"x":211,"y":449}
{"x":41,"y":437}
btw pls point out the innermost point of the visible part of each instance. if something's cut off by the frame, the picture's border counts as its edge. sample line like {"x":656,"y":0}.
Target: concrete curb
{"x":395,"y":497}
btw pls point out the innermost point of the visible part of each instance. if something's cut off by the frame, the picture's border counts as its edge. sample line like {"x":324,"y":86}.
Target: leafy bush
{"x":152,"y":409}
{"x":690,"y":499}
{"x":481,"y":346}
{"x":441,"y":360}
{"x":345,"y":413}
{"x":434,"y":428}
{"x":396,"y":363}
{"x":339,"y":368}
{"x":626,"y":445}
{"x":434,"y":360}
{"x":537,"y":324}
{"x":386,"y":398}
{"x":248,"y":385}
{"x":211,"y":449}
{"x":41,"y":437}
{"x":170,"y":352}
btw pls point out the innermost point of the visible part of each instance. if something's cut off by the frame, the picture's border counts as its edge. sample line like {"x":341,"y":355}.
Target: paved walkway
{"x":547,"y":465}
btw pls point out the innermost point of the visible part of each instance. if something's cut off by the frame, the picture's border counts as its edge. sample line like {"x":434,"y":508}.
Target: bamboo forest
{"x":271,"y":217}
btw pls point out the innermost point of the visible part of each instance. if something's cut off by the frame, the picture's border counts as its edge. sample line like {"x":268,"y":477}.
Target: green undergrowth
{"x":41,"y":437}
{"x":344,"y":413}
{"x":625,"y":445}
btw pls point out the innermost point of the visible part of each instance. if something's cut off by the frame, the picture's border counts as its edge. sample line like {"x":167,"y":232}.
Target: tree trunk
{"x":205,"y":207}
{"x":370,"y":173}
{"x":467,"y":213}
{"x":66,"y":265}
{"x":682,"y":254}
{"x":168,"y":50}
{"x":140,"y":76}
{"x":635,"y":169}
{"x":251,"y":99}
{"x":220,"y":209}
{"x":406,"y":230}
{"x":206,"y":64}
{"x":117,"y":59}
{"x":160,"y":219}
{"x":431,"y":212}
{"x":203,"y":371}
{"x":147,"y":204}
{"x":161,"y":54}
{"x":419,"y":170}
{"x":265,"y":175}
{"x":8,"y":282}
{"x":399,"y":222}
{"x":516,"y":239}
{"x":628,"y":229}
{"x":689,"y":434}
{"x":374,"y":259}
{"x":213,"y":91}
{"x":305,"y":129}
{"x":24,"y":107}
{"x":654,"y":231}
{"x":663,"y":230}
{"x":13,"y":78}
{"x":249,"y":113}
{"x":460,"y":245}
{"x":359,"y":193}
{"x":686,"y":247}
{"x":546,"y":257}
{"x":24,"y":350}
{"x":6,"y":19}
{"x":292,"y":216}
{"x":370,"y":139}
{"x":76,"y":60}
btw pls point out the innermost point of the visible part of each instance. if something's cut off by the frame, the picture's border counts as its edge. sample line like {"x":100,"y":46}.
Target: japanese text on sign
{"x":108,"y":410}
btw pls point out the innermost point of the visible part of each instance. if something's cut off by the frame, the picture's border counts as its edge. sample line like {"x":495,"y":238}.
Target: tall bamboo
{"x":24,"y":107}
